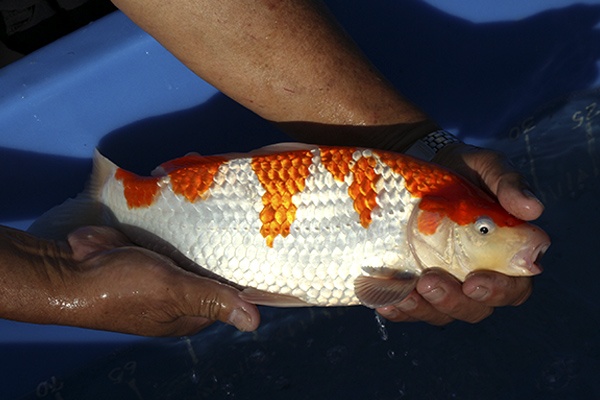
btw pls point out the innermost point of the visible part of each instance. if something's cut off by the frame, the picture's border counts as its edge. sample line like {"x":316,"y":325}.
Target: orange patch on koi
{"x":420,"y":178}
{"x":339,"y":162}
{"x":446,"y":194}
{"x":191,"y":176}
{"x":139,"y":191}
{"x":363,"y":188}
{"x":428,"y":222}
{"x":282,"y":176}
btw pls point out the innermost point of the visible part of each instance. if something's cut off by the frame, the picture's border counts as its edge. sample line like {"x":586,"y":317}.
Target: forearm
{"x":30,"y":277}
{"x":287,"y":61}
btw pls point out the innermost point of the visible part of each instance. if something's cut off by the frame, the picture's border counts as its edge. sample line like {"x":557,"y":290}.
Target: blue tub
{"x":517,"y":77}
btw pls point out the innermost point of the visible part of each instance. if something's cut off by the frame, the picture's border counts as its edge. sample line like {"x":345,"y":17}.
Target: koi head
{"x":463,"y":230}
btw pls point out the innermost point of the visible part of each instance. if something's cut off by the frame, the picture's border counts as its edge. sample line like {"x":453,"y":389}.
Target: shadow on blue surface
{"x":546,"y":349}
{"x":28,"y":366}
{"x":478,"y":79}
{"x":39,"y":182}
{"x":340,"y":353}
{"x":475,"y":78}
{"x":217,"y":126}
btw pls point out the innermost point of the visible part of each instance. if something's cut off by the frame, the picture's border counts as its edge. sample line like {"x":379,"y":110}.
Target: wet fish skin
{"x":300,"y":225}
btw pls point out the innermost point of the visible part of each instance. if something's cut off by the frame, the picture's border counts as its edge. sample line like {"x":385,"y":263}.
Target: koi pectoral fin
{"x":262,"y":298}
{"x":375,"y":292}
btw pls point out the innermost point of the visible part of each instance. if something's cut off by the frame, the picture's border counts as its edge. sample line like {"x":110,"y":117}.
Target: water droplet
{"x":282,"y":383}
{"x":227,"y":388}
{"x":391,"y":354}
{"x":558,"y":374}
{"x":402,"y":390}
{"x":383,"y":333}
{"x":257,"y":357}
{"x":194,"y":377}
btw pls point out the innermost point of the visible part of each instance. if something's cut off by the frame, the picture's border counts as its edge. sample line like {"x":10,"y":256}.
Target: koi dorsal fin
{"x":282,"y":148}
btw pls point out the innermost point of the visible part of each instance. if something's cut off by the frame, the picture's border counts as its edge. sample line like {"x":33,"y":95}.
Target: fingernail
{"x":408,"y":304}
{"x":529,"y":194}
{"x":388,"y":312}
{"x":241,"y":320}
{"x":479,"y":293}
{"x":434,"y":295}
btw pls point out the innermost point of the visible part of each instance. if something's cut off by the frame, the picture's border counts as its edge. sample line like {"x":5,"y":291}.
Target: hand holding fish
{"x":98,"y":279}
{"x":294,"y":225}
{"x":291,"y":64}
{"x":439,"y":298}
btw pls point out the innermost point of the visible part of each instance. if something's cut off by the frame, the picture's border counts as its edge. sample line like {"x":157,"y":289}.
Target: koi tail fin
{"x":84,"y":209}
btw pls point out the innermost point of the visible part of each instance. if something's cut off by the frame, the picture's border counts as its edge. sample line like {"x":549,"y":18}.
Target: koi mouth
{"x":529,"y":259}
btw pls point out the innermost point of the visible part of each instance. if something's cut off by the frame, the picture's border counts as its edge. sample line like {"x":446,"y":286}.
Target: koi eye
{"x":485,"y":225}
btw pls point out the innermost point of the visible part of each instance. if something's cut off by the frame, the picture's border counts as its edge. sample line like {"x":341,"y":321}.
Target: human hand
{"x":114,"y":285}
{"x":439,"y":298}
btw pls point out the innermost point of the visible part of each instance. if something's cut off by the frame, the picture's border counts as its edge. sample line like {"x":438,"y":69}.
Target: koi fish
{"x":299,"y":225}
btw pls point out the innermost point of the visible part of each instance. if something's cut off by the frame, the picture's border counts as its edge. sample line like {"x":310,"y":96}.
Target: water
{"x":548,"y":348}
{"x":557,"y":147}
{"x":380,"y":321}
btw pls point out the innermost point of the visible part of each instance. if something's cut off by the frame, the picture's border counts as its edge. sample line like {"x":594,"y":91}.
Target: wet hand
{"x":493,"y":172}
{"x":115,"y":285}
{"x":439,"y":298}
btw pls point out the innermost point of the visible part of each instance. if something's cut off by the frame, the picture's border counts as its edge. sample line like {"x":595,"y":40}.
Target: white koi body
{"x":310,"y":225}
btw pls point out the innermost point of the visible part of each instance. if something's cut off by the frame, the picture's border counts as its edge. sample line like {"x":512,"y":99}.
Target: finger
{"x":414,"y":308}
{"x":392,"y":313}
{"x":507,"y":183}
{"x":215,"y":301}
{"x":497,"y":290}
{"x":201,"y":297}
{"x":89,"y":240}
{"x":517,"y":198}
{"x":173,"y":301}
{"x":446,"y":295}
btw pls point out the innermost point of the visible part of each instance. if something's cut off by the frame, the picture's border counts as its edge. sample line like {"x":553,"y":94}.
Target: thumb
{"x":494,"y":171}
{"x":87,"y":241}
{"x":209,"y":299}
{"x":508,"y":184}
{"x":517,"y":198}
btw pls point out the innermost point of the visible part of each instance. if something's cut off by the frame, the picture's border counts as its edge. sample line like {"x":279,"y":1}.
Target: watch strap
{"x":428,"y":146}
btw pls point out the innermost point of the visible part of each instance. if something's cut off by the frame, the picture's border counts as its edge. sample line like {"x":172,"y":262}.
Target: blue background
{"x":483,"y":70}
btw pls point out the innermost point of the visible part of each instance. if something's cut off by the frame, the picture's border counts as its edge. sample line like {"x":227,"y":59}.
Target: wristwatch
{"x":427,"y":147}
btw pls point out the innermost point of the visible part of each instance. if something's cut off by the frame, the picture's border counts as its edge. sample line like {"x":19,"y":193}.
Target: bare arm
{"x":289,"y":62}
